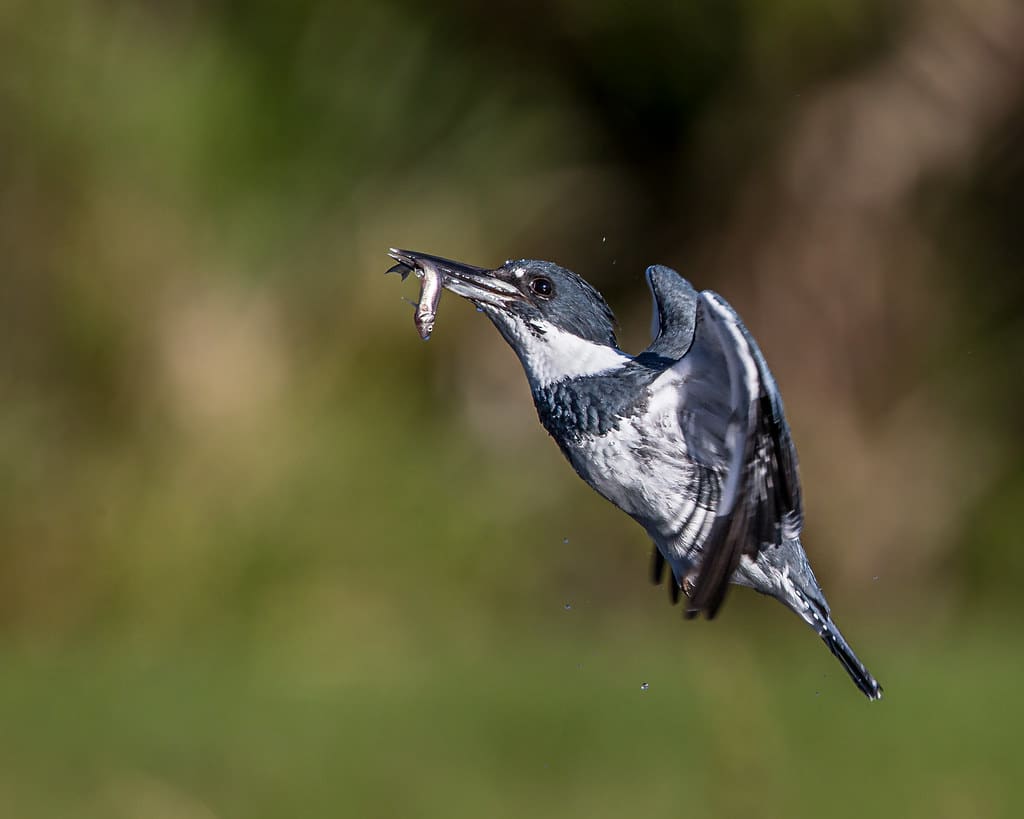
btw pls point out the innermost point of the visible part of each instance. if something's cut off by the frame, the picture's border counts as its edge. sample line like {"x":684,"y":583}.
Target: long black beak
{"x":474,"y":283}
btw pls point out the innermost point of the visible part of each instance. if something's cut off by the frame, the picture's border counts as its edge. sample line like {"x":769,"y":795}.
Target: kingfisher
{"x":689,"y":438}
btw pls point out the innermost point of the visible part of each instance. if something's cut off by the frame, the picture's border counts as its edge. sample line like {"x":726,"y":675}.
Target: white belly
{"x":646,"y":476}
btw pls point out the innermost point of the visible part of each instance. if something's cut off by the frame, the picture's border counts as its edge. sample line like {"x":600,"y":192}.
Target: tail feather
{"x":814,"y":610}
{"x":837,"y":644}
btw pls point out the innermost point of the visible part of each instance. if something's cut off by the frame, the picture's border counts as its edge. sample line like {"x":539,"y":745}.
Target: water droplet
{"x":817,"y":693}
{"x":875,"y":577}
{"x":604,"y":239}
{"x":479,"y":309}
{"x":614,"y":261}
{"x":565,"y":540}
{"x":567,"y":606}
{"x":644,"y":686}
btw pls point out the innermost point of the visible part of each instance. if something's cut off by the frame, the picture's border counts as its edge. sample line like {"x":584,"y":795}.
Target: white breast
{"x":645,"y":475}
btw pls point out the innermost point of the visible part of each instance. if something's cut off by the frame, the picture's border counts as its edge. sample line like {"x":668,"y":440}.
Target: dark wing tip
{"x":722,"y":556}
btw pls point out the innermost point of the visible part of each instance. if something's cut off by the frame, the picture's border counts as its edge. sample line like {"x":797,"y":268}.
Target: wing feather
{"x":733,"y":422}
{"x":673,"y":316}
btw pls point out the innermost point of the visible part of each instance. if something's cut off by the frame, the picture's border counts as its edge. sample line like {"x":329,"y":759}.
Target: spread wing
{"x":733,"y":423}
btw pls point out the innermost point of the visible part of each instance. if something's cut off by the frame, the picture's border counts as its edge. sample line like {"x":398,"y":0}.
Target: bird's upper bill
{"x":484,"y":287}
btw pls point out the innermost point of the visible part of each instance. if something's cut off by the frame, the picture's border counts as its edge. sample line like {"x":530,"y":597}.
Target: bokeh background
{"x":263,"y":553}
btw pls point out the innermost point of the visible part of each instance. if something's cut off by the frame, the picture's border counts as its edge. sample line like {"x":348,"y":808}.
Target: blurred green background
{"x":264,"y":554}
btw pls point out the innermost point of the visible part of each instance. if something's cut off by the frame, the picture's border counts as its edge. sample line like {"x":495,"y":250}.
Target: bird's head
{"x":558,"y":324}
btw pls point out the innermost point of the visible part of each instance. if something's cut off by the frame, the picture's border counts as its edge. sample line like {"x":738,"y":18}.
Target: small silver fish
{"x":432,"y":274}
{"x":430,"y":295}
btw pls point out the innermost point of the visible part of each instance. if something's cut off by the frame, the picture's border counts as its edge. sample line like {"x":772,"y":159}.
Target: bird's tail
{"x":785,"y":574}
{"x":837,"y":644}
{"x":814,"y":611}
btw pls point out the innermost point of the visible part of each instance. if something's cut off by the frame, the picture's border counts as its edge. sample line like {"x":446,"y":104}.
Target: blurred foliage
{"x":261,"y":552}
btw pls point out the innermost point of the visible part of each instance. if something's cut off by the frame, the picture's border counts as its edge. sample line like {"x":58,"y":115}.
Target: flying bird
{"x":689,"y":438}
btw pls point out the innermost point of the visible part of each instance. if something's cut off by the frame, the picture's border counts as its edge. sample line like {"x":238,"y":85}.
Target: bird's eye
{"x":542,"y":287}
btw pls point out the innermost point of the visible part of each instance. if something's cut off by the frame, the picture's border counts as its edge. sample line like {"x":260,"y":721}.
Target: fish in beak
{"x":481,"y":286}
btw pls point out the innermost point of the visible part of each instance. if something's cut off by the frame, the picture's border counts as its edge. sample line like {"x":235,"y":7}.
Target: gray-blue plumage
{"x":674,"y":315}
{"x":689,"y":437}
